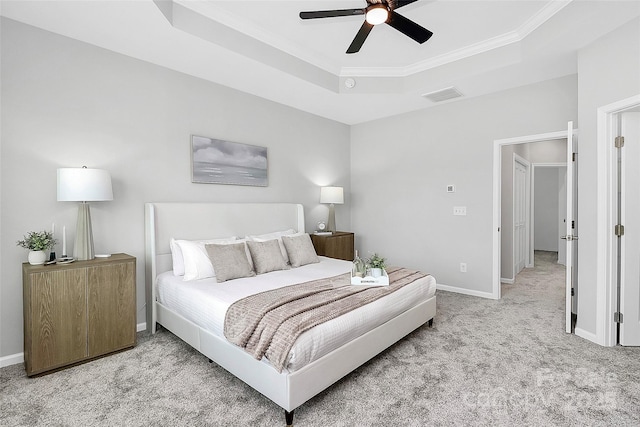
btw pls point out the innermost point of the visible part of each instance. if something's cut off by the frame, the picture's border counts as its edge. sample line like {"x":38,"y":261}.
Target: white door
{"x":520,"y":214}
{"x":630,"y":240}
{"x":570,"y":229}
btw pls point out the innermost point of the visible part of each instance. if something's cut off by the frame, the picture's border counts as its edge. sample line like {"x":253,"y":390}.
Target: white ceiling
{"x":262,"y":47}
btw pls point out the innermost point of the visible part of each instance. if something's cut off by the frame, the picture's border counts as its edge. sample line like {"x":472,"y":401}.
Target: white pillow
{"x":273,"y":236}
{"x":176,"y":257}
{"x":197,"y":264}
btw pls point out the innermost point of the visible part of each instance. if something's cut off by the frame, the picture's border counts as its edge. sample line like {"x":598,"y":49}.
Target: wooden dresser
{"x":78,"y":311}
{"x":339,"y":245}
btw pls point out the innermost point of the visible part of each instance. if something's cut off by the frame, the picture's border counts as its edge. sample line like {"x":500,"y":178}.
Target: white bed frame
{"x":193,"y":221}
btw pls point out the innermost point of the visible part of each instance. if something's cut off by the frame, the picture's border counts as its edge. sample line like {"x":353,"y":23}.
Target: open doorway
{"x":523,"y":166}
{"x":571,"y":225}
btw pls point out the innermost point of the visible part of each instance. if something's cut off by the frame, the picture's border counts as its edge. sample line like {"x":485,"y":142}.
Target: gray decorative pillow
{"x":300,"y":250}
{"x":267,"y":256}
{"x":229,"y":261}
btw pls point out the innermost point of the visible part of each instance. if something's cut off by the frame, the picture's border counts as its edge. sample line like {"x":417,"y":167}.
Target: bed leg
{"x":288,"y":417}
{"x":430,"y":323}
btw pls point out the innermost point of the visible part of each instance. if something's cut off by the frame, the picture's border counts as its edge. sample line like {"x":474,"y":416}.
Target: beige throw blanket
{"x":268,"y":323}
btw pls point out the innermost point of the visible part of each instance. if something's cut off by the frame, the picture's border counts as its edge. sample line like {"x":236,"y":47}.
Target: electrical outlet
{"x":463,"y":267}
{"x":460,"y":210}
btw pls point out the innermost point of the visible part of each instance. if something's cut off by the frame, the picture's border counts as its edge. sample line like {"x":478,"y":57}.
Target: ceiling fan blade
{"x":359,"y":39}
{"x":331,"y":13}
{"x":400,"y":3}
{"x":409,"y":28}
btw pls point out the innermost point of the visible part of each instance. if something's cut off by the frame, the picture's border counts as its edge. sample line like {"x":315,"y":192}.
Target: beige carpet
{"x":484,"y":362}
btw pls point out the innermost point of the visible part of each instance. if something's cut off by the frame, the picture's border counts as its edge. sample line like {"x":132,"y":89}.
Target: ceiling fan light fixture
{"x":377,"y":14}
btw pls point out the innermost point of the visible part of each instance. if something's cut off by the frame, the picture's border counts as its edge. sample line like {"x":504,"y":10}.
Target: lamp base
{"x":331,"y":222}
{"x":83,"y":249}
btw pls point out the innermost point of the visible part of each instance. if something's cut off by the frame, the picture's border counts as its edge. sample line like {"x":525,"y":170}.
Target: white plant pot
{"x":37,"y":257}
{"x":376,"y":272}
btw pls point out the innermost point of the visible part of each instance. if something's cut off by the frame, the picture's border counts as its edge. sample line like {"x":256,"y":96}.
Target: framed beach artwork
{"x":215,"y":161}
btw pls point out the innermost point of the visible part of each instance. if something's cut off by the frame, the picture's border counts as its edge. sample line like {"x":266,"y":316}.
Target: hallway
{"x":545,"y":282}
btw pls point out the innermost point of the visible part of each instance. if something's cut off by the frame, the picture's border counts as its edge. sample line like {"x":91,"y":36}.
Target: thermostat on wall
{"x":451,"y":188}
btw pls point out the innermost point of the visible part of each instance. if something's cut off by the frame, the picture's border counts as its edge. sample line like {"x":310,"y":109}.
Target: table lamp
{"x":333,"y":196}
{"x":84,"y":185}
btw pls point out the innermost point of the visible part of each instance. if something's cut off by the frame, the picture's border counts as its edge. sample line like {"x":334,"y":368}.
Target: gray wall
{"x":546,"y":209}
{"x":401,"y":166}
{"x":609,"y":71}
{"x":68,"y":104}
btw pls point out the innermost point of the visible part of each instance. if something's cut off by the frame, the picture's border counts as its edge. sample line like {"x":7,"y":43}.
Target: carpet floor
{"x":484,"y":362}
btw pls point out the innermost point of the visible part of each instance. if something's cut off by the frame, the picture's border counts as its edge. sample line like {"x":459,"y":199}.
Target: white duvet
{"x":205,"y":302}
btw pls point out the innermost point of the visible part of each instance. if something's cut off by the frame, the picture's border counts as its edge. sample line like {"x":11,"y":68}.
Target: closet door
{"x":520,"y":214}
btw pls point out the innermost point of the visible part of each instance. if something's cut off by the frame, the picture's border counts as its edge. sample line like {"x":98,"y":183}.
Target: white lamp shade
{"x":84,"y":185}
{"x":332,"y":195}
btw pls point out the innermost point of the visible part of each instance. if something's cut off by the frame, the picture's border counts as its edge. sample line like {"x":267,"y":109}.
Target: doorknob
{"x":569,"y":237}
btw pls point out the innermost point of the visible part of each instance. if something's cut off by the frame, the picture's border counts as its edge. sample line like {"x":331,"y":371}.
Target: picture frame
{"x":217,"y":161}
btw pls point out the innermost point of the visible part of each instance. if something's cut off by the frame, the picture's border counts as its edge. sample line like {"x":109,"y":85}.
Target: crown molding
{"x":213,"y":11}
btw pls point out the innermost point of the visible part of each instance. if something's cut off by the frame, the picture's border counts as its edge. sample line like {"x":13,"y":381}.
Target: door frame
{"x":606,"y":289}
{"x":496,"y":292}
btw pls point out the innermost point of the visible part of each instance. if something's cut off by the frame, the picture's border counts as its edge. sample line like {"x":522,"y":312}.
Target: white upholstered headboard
{"x":198,"y":221}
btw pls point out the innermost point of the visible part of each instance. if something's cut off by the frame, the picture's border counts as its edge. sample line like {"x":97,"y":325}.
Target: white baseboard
{"x":465,"y":291}
{"x":12,"y":359}
{"x":507,"y":281}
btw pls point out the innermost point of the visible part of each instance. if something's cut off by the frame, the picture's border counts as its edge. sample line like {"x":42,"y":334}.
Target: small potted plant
{"x":376,"y":264}
{"x":37,"y":243}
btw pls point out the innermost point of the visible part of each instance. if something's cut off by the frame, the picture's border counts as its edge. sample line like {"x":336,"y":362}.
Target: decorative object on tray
{"x":332,"y":196}
{"x":376,"y":265}
{"x":37,"y":242}
{"x":83,"y":185}
{"x":370,"y":274}
{"x":215,"y":161}
{"x":359,"y":268}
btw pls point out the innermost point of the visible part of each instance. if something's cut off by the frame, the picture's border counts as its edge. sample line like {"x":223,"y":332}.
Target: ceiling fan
{"x":377,"y":12}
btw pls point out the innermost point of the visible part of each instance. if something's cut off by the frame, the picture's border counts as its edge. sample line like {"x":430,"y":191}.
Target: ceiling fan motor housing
{"x":377,"y":14}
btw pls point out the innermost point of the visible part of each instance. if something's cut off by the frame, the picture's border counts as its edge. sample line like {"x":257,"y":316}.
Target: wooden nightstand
{"x":78,"y":311}
{"x":337,"y":245}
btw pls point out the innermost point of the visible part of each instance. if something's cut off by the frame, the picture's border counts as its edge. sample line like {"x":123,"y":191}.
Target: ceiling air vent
{"x":443,"y":94}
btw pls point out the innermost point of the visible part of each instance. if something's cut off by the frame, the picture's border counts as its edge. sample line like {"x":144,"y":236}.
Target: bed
{"x":306,"y":373}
